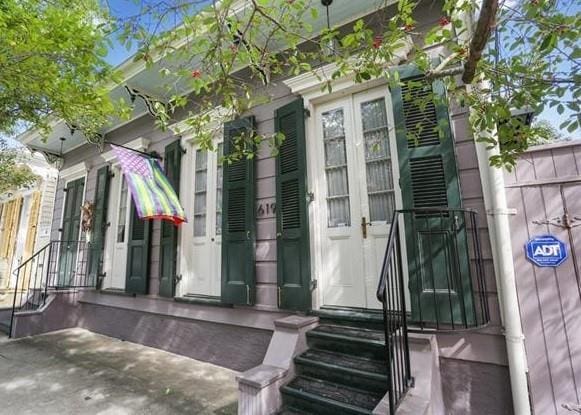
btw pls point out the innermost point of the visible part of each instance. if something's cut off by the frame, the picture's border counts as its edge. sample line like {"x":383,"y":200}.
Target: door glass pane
{"x":122,"y":217}
{"x":200,"y":184}
{"x":377,"y":160}
{"x":220,"y":153}
{"x":336,"y":168}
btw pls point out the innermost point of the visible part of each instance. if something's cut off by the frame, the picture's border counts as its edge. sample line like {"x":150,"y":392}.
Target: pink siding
{"x":546,"y":180}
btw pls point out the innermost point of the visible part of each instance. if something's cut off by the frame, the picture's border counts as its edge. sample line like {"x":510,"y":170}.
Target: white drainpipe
{"x":497,"y":217}
{"x":492,"y":179}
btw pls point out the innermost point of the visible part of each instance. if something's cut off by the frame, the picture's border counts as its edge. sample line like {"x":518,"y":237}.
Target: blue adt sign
{"x":546,"y":251}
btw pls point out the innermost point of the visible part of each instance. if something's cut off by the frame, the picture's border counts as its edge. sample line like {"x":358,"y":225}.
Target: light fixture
{"x":60,"y":160}
{"x":331,"y":47}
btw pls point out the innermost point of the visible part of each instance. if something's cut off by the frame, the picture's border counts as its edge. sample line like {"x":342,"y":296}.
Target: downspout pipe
{"x":494,"y":193}
{"x":497,"y":216}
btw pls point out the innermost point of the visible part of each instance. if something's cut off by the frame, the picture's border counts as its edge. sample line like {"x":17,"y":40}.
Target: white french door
{"x":354,"y":155}
{"x":200,"y":261}
{"x":118,"y":218}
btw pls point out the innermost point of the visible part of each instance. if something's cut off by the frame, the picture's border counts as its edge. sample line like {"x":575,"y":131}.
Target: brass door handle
{"x":364,"y":225}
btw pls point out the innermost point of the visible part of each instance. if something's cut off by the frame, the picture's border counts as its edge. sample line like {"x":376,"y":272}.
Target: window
{"x":336,"y":169}
{"x":200,"y":186}
{"x":220,"y":153}
{"x":122,"y":217}
{"x":377,"y":160}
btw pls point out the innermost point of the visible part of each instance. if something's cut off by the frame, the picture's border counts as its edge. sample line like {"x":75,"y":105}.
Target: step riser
{"x":348,"y":379}
{"x":318,"y":408}
{"x":361,"y":349}
{"x":373,"y":325}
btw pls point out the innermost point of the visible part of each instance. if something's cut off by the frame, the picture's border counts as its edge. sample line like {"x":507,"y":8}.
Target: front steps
{"x":344,"y":369}
{"x":5,"y":327}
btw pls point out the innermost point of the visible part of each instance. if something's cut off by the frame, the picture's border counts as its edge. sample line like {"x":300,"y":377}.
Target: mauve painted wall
{"x":234,"y":347}
{"x":549,"y":298}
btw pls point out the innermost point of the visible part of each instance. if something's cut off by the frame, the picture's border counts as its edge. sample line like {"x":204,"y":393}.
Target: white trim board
{"x":74,"y":172}
{"x":140,"y":144}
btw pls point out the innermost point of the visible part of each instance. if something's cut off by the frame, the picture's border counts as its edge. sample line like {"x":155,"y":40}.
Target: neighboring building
{"x":273,"y":243}
{"x":25,"y":222}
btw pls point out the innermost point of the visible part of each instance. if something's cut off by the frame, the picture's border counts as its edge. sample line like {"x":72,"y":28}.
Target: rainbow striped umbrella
{"x":153,"y":195}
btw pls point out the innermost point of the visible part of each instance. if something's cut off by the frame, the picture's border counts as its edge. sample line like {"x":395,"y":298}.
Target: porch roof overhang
{"x":150,"y":82}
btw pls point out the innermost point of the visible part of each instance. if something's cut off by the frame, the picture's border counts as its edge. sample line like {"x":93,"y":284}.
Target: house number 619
{"x":266,"y":209}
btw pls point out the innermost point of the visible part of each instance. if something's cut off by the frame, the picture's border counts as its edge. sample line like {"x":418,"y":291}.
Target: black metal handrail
{"x":442,"y":269}
{"x":59,"y":265}
{"x":390,"y":292}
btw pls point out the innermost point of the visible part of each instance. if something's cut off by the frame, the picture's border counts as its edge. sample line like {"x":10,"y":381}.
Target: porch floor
{"x":75,"y":371}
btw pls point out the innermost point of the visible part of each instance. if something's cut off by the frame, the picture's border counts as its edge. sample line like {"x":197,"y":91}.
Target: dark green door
{"x":169,"y":232}
{"x":95,"y":264}
{"x":137,"y":254}
{"x":238,"y":219}
{"x":292,"y":226}
{"x":436,"y":243}
{"x":70,"y":232}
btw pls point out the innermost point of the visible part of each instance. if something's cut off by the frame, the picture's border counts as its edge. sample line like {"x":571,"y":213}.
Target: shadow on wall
{"x":472,"y":388}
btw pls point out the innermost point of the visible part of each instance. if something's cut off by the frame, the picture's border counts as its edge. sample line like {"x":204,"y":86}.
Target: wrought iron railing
{"x":59,"y":265}
{"x":432,"y":280}
{"x":391,"y":293}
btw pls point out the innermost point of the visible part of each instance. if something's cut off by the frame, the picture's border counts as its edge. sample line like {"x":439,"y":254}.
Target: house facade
{"x":296,"y":243}
{"x":25,"y":222}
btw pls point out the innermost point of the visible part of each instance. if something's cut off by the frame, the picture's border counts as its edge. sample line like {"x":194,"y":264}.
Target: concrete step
{"x":292,"y":411}
{"x":353,"y":341}
{"x":328,"y":398}
{"x":368,"y":374}
{"x":341,"y":316}
{"x":5,"y":327}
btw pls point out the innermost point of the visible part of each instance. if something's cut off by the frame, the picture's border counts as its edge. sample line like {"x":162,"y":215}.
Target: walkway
{"x":78,"y":372}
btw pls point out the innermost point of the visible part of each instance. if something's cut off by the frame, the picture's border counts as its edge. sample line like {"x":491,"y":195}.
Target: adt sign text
{"x":546,"y":251}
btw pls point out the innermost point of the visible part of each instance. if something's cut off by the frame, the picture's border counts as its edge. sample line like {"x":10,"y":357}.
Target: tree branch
{"x":481,"y":35}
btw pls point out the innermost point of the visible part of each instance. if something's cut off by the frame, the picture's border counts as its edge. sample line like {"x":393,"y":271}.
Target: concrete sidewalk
{"x":78,"y":372}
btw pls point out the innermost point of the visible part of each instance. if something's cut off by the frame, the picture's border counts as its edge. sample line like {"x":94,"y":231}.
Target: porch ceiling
{"x":150,"y":81}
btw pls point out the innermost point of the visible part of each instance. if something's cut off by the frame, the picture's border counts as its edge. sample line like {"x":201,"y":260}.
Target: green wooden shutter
{"x":169,"y":232}
{"x":436,"y":244}
{"x":137,"y":254}
{"x":292,"y":222}
{"x":70,"y":231}
{"x":97,"y":244}
{"x":238,"y":220}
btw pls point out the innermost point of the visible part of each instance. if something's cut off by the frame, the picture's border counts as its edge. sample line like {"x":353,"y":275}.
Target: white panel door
{"x":118,"y":218}
{"x":355,"y":152}
{"x":341,"y":253}
{"x":376,"y":151}
{"x":201,"y":263}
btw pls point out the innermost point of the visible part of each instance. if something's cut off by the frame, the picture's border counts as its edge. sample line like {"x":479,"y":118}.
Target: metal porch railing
{"x":432,"y":280}
{"x":59,"y":265}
